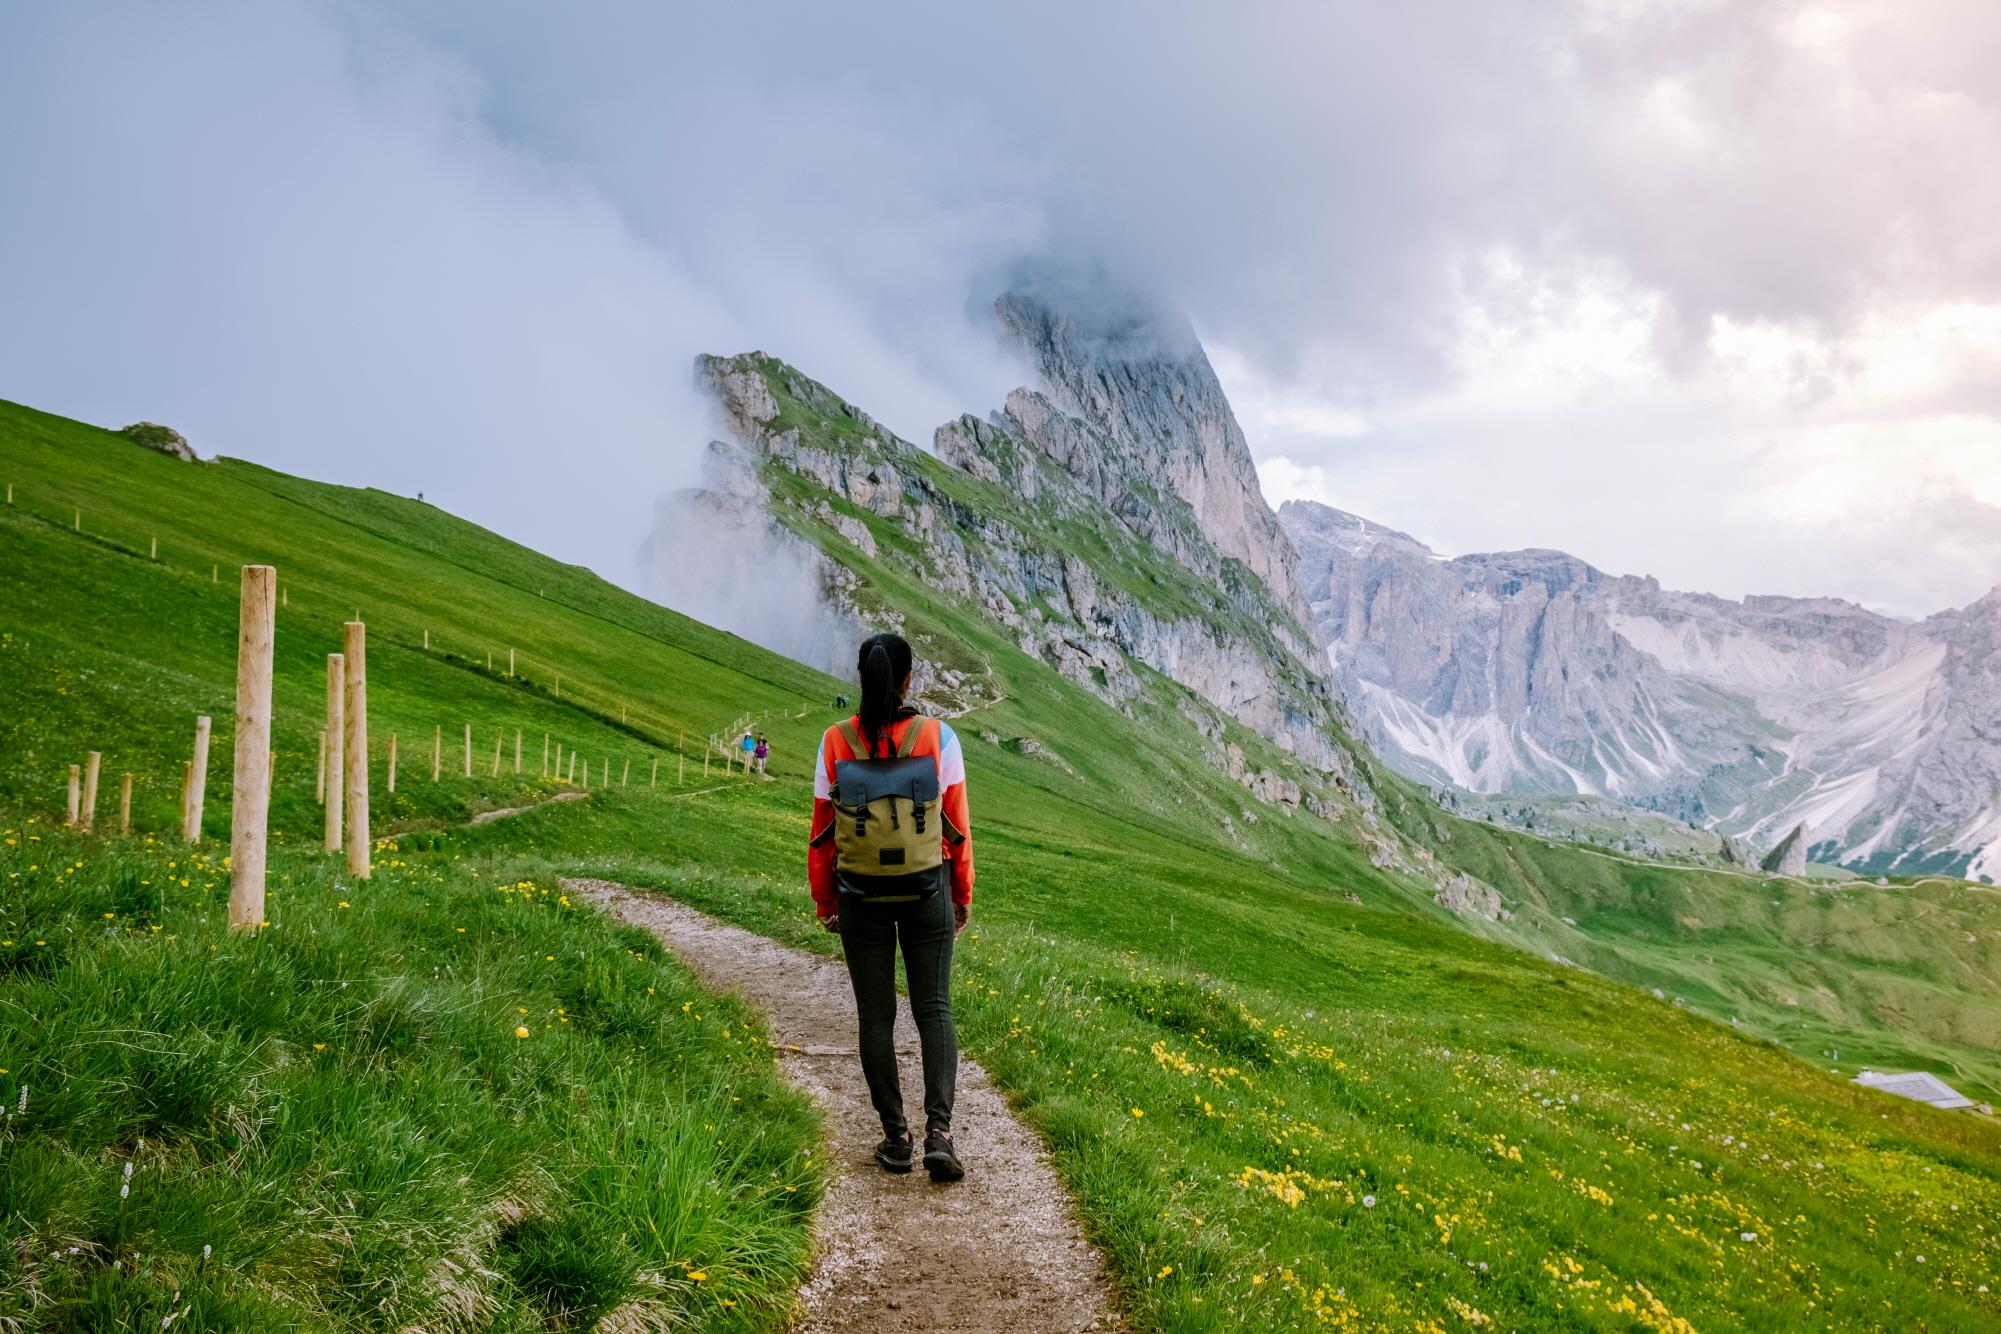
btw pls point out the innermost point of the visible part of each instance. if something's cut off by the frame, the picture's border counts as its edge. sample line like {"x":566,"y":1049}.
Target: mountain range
{"x":1530,"y":672}
{"x":1108,"y":518}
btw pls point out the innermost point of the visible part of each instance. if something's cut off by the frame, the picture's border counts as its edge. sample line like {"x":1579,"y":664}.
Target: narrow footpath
{"x":999,"y":1251}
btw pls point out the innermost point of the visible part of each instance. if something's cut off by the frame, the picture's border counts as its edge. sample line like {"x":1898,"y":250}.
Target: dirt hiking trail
{"x":998,"y":1251}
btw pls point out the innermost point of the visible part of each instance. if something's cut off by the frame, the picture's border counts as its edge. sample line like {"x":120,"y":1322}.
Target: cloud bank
{"x":1700,"y":289}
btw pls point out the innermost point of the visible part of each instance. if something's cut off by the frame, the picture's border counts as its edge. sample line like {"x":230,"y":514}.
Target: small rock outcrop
{"x":163,"y":438}
{"x":1789,"y":857}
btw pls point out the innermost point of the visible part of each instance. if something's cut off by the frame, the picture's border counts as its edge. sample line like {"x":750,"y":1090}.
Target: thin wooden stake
{"x":496,"y":756}
{"x":655,"y":780}
{"x":489,"y":660}
{"x":705,"y":766}
{"x":125,"y":804}
{"x":356,"y":744}
{"x":517,"y":750}
{"x":427,"y":639}
{"x":392,"y":761}
{"x":573,"y":770}
{"x":336,"y":752}
{"x":587,"y":770}
{"x":510,"y":662}
{"x":681,"y":772}
{"x":626,"y":778}
{"x":155,"y":555}
{"x":320,"y":782}
{"x":75,"y":792}
{"x":468,"y":755}
{"x":437,"y":752}
{"x":215,"y":574}
{"x":79,"y":521}
{"x":90,"y":788}
{"x":545,"y":754}
{"x":197,"y":783}
{"x":250,"y":797}
{"x":559,"y":762}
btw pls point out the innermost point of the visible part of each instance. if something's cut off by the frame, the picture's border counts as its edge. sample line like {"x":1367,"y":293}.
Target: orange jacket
{"x":937,"y":740}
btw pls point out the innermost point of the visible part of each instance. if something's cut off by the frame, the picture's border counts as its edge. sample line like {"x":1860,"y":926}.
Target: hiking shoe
{"x":894,"y":1153}
{"x":939,"y":1160}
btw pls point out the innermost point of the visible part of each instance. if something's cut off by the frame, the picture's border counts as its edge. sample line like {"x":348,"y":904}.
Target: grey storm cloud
{"x":471,"y":248}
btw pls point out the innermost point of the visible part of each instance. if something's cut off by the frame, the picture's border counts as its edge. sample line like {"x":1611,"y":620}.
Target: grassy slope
{"x":1540,"y":1146}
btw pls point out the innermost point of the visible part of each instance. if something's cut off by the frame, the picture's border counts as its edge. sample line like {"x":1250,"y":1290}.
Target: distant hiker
{"x":891,"y":858}
{"x":762,"y":752}
{"x":840,"y":701}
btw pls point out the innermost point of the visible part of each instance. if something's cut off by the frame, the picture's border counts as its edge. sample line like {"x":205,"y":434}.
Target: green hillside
{"x":1287,"y":1088}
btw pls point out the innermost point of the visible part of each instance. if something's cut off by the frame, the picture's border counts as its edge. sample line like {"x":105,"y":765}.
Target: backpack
{"x":887,"y":826}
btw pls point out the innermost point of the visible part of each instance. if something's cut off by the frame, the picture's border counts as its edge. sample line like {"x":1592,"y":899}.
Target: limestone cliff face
{"x":1028,"y":516}
{"x":1137,"y":372}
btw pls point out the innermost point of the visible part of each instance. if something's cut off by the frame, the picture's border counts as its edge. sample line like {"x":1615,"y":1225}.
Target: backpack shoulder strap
{"x":852,"y":735}
{"x":912,"y":736}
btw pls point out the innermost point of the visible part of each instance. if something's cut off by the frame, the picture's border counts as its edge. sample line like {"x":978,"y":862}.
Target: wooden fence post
{"x":705,"y":766}
{"x":215,"y":574}
{"x":336,"y":775}
{"x":496,"y":754}
{"x":510,"y":662}
{"x":75,"y":787}
{"x":545,"y":754}
{"x":250,"y":798}
{"x":197,"y":783}
{"x":517,"y":750}
{"x":654,"y":781}
{"x":573,"y":770}
{"x":125,"y":804}
{"x":427,"y":640}
{"x":355,"y":743}
{"x":90,"y":788}
{"x":392,"y":761}
{"x":155,"y":554}
{"x":468,"y":755}
{"x":489,"y":660}
{"x":625,"y":778}
{"x":437,"y":752}
{"x":320,"y":783}
{"x":587,"y":770}
{"x":681,"y":771}
{"x":79,"y":521}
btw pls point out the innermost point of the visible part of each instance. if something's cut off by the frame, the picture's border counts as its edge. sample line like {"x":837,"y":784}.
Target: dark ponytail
{"x":884,"y":665}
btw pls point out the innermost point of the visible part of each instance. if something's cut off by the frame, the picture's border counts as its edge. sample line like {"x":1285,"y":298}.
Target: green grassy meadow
{"x":1287,"y":1090}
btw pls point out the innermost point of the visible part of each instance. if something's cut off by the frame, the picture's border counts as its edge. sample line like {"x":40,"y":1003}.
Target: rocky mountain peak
{"x":1136,"y":371}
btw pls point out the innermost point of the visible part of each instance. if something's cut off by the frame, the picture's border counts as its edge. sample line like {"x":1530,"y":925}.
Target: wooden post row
{"x":468,"y":755}
{"x":437,"y":752}
{"x":355,"y":743}
{"x":545,"y":754}
{"x":250,"y":798}
{"x":392,"y":761}
{"x":125,"y":804}
{"x":517,"y":750}
{"x":336,"y":775}
{"x":496,"y":754}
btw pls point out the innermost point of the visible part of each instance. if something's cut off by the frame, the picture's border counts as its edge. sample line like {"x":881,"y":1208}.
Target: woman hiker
{"x":890,"y":860}
{"x":761,"y":754}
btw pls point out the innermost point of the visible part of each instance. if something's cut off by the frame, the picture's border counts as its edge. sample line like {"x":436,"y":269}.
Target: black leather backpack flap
{"x":858,"y":782}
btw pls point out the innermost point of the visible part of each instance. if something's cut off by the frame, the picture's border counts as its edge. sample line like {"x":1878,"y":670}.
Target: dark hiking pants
{"x":869,"y":936}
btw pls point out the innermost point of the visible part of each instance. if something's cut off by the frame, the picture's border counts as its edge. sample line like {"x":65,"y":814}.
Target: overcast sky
{"x":1710,"y":291}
